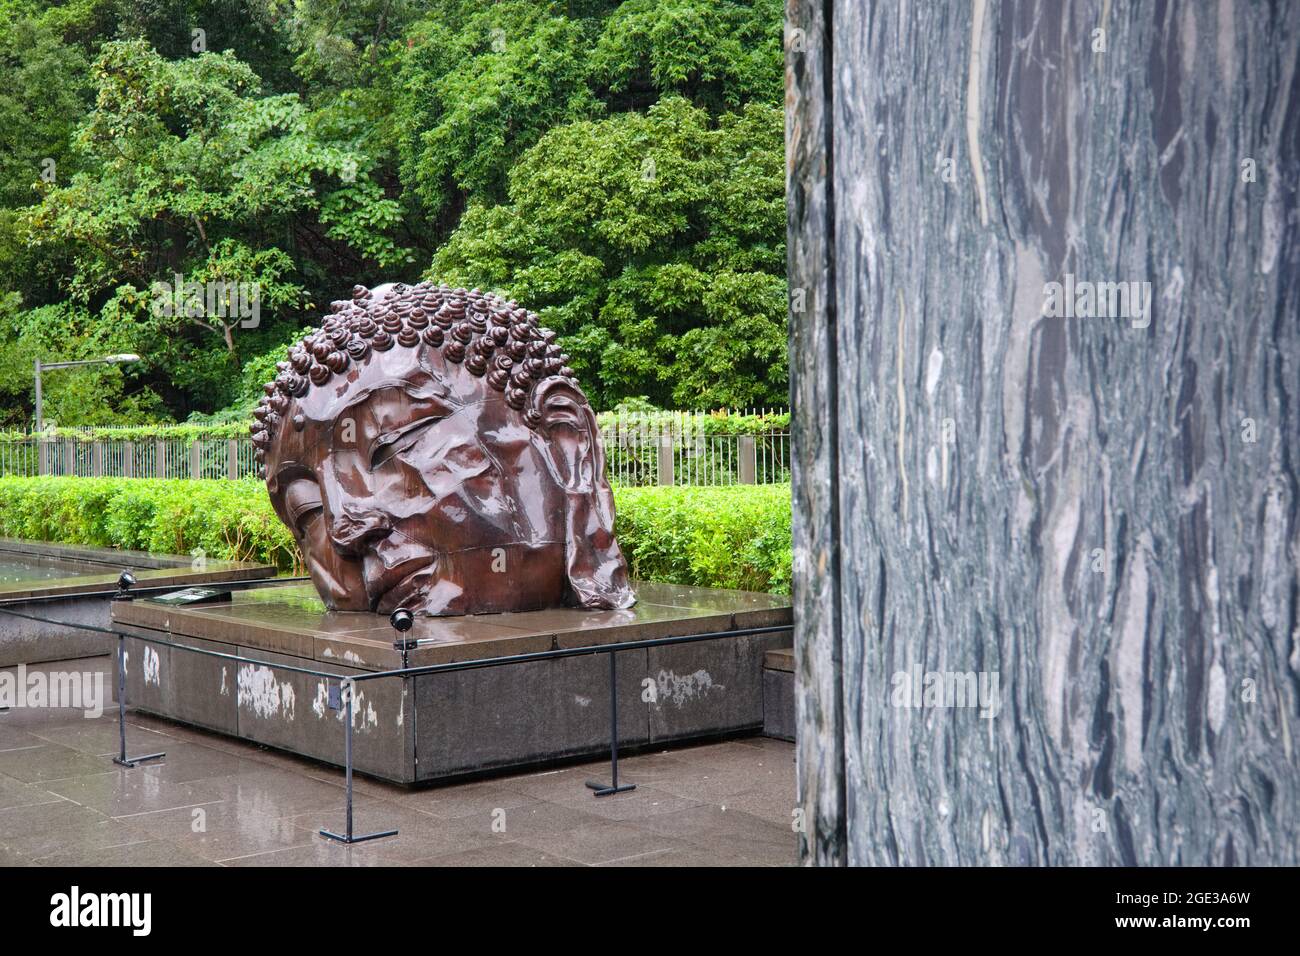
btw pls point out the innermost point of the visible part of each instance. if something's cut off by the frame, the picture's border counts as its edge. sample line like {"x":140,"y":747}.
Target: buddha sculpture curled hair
{"x":430,"y":448}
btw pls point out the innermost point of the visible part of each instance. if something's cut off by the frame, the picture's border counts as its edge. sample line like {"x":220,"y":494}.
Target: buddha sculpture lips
{"x":396,"y":575}
{"x":430,"y":448}
{"x":408,"y":591}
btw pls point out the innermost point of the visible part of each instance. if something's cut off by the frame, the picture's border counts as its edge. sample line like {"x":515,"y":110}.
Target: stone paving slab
{"x":214,"y":801}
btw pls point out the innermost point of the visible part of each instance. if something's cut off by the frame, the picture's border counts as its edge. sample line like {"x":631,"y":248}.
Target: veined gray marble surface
{"x":1046,"y":524}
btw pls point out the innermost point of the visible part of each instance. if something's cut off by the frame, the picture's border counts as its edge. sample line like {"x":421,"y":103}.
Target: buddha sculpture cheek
{"x":412,"y":476}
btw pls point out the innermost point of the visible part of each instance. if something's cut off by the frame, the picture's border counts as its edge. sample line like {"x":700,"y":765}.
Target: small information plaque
{"x":190,"y":596}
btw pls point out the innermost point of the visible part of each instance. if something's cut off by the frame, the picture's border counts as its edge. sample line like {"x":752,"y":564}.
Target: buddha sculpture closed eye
{"x":430,"y":449}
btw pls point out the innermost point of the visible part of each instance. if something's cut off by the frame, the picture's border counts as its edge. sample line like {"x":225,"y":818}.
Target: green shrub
{"x":730,"y":537}
{"x":229,"y":520}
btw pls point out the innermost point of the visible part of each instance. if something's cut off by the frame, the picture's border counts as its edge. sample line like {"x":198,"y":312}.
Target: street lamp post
{"x":40,"y":418}
{"x":40,"y":405}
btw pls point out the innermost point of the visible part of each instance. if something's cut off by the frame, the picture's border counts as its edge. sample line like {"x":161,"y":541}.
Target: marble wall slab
{"x":1005,"y":470}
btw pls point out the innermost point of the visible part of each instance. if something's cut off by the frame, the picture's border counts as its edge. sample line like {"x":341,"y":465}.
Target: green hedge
{"x":141,"y":433}
{"x":732,"y":537}
{"x":703,"y":423}
{"x":736,"y":536}
{"x":230,"y":520}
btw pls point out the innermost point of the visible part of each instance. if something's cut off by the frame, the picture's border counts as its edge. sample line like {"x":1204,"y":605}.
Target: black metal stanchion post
{"x":349,"y":837}
{"x":122,"y":760}
{"x":602,"y":790}
{"x":124,"y":582}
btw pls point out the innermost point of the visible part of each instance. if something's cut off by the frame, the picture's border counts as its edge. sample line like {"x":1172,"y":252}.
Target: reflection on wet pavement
{"x":214,"y":800}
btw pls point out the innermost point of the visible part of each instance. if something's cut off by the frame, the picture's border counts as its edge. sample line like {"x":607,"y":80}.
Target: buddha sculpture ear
{"x":596,"y":569}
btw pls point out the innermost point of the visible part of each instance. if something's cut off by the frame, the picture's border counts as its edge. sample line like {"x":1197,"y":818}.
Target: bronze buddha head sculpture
{"x":430,"y":448}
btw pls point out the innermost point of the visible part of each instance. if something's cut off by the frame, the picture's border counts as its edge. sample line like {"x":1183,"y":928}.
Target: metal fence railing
{"x":653,"y":448}
{"x":202,"y":458}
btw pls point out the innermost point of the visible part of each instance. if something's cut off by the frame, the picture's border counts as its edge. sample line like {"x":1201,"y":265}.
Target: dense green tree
{"x":654,"y":244}
{"x":46,"y":93}
{"x":336,"y":41}
{"x":720,"y":54}
{"x":103,"y":394}
{"x":188,"y":171}
{"x":475,"y":95}
{"x":46,"y":90}
{"x":617,"y":163}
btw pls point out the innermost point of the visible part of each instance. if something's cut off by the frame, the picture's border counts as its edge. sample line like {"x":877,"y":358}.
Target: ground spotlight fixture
{"x":403,"y":620}
{"x":125,"y":581}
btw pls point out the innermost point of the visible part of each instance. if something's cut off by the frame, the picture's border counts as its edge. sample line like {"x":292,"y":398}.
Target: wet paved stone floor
{"x":215,"y":800}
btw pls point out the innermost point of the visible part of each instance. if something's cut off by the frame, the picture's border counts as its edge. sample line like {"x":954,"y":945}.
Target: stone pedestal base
{"x":444,"y":725}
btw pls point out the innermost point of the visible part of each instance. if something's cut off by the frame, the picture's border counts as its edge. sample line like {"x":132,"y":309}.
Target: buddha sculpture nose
{"x":355,"y":525}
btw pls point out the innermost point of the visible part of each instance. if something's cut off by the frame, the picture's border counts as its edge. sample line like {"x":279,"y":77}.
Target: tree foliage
{"x":617,"y":165}
{"x":652,"y":243}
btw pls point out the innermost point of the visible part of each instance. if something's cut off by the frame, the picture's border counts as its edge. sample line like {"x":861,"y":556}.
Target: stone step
{"x":781,"y":659}
{"x":778,"y":693}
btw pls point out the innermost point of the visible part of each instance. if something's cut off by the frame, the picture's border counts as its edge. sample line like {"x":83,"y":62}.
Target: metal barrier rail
{"x":401,"y":620}
{"x":165,"y":588}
